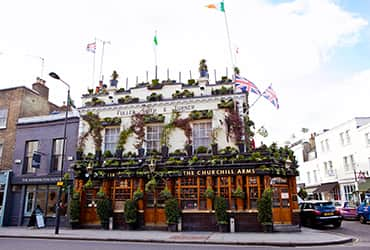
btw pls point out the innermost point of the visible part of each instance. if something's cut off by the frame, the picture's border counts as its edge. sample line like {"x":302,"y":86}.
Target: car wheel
{"x":362,"y":219}
{"x":337,"y":224}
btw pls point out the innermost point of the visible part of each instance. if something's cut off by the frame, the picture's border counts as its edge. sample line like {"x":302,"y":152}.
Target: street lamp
{"x":58,"y":207}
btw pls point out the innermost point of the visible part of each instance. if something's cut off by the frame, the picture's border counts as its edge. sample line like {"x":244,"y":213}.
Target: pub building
{"x":194,"y":140}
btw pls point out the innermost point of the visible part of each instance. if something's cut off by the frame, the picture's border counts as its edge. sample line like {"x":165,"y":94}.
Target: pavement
{"x":306,"y":237}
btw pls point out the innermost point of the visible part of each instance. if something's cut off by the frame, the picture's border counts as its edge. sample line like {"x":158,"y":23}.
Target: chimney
{"x":40,"y":87}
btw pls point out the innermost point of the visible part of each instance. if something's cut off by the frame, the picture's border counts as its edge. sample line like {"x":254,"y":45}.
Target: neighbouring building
{"x":34,"y":180}
{"x":341,"y":166}
{"x":15,"y":103}
{"x":188,"y":139}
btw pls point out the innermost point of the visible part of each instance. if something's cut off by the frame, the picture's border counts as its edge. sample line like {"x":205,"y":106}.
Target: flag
{"x":219,"y":6}
{"x":91,"y":47}
{"x":245,"y":85}
{"x":155,"y":40}
{"x":270,"y":95}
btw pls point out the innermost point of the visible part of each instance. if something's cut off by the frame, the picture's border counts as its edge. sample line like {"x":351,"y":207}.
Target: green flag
{"x":155,"y":40}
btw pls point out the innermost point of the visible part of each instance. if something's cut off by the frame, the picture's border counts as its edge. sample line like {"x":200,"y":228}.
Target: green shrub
{"x":220,"y":210}
{"x":264,"y":206}
{"x":130,"y":212}
{"x":172,"y":211}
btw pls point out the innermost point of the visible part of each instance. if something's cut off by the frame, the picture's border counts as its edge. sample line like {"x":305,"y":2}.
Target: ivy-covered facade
{"x":191,"y":149}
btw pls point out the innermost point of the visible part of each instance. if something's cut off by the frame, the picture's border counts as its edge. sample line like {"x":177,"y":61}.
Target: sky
{"x":315,"y":53}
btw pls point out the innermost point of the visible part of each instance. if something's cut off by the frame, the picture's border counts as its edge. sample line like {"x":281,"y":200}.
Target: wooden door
{"x":281,"y":210}
{"x":154,"y":214}
{"x":88,"y":213}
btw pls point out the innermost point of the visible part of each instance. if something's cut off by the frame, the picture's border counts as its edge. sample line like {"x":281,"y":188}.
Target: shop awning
{"x":326,"y":187}
{"x":364,"y":186}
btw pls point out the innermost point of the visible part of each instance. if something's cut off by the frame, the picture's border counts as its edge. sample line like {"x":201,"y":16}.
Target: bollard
{"x":232,"y":225}
{"x":179,"y":225}
{"x":110,"y":223}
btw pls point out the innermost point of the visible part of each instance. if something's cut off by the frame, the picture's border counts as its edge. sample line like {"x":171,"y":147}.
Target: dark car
{"x":317,"y":213}
{"x":363,"y":211}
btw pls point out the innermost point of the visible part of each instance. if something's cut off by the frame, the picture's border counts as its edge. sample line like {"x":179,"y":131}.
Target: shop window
{"x":223,"y":184}
{"x":153,"y":138}
{"x":110,"y":139}
{"x":191,"y":190}
{"x":122,"y":190}
{"x":202,"y":134}
{"x":3,"y":118}
{"x":31,"y":147}
{"x":252,"y":185}
{"x":52,"y":201}
{"x":29,"y":205}
{"x":57,"y":154}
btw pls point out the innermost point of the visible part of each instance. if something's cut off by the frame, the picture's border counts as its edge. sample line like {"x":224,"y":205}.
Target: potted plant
{"x":104,"y":208}
{"x":165,"y":193}
{"x":138,"y":198}
{"x":74,"y":210}
{"x":221,"y":214}
{"x":209,"y":194}
{"x":172,"y":211}
{"x":203,"y":69}
{"x":130,"y":213}
{"x":264,"y":206}
{"x":114,"y":81}
{"x":239,"y":194}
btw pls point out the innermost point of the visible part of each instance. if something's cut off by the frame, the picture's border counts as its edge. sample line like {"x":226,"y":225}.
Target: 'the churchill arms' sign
{"x":218,"y":172}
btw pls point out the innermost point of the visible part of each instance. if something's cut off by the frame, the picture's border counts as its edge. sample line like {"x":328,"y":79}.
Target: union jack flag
{"x":270,"y":95}
{"x":91,"y":47}
{"x":245,"y":85}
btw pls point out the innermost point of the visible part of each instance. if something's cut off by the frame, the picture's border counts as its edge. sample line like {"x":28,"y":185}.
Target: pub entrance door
{"x":281,"y":208}
{"x":154,"y":215}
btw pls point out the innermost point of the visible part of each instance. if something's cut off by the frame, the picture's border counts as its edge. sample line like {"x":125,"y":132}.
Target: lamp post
{"x":58,"y":207}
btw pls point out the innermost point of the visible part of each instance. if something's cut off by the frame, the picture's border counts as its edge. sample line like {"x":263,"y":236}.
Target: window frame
{"x":55,"y":157}
{"x":27,"y":163}
{"x":153,"y":137}
{"x":111,"y":139}
{"x":3,"y":118}
{"x":202,"y":135}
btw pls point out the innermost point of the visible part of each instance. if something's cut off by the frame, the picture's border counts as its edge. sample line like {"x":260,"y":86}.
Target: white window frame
{"x":57,"y":154}
{"x":3,"y":118}
{"x":202,"y":134}
{"x":367,"y":139}
{"x":348,"y":191}
{"x":326,"y":168}
{"x":327,"y":144}
{"x":308,"y":177}
{"x":153,"y":137}
{"x":27,"y":167}
{"x":345,"y":163}
{"x":322,"y":146}
{"x":352,"y":161}
{"x":315,"y":176}
{"x":348,"y":137}
{"x":331,"y":168}
{"x":341,"y":135}
{"x":111,"y":136}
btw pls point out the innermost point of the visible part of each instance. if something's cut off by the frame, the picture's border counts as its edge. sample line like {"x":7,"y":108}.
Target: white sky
{"x":290,"y":45}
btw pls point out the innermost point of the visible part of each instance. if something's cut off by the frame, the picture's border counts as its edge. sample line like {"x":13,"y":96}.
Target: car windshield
{"x":323,"y":205}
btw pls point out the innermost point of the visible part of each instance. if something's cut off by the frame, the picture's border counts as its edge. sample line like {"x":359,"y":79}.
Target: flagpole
{"x":258,"y":97}
{"x":228,"y":35}
{"x":102,"y":58}
{"x":155,"y":55}
{"x":93,"y":71}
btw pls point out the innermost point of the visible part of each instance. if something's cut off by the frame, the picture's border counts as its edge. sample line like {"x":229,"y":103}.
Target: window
{"x":308,"y":177}
{"x":345,"y":163}
{"x":326,"y":169}
{"x":348,"y":138}
{"x":31,"y":146}
{"x":201,"y":134}
{"x":322,"y":146}
{"x":46,"y":197}
{"x":252,"y":191}
{"x":3,"y":117}
{"x":1,"y":151}
{"x":315,"y":176}
{"x":341,"y":135}
{"x":331,"y":169}
{"x":122,"y":191}
{"x":348,"y":191}
{"x":153,"y":138}
{"x":327,"y":144}
{"x":2,"y":189}
{"x":367,"y":139}
{"x":57,"y":154}
{"x":352,"y":160}
{"x":111,"y":139}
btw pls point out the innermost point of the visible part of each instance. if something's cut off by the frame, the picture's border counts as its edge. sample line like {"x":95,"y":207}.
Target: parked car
{"x":363,"y":211}
{"x":347,"y":209}
{"x":315,"y":213}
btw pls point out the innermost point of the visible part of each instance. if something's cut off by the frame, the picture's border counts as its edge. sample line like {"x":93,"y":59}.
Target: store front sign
{"x":35,"y":180}
{"x":218,"y":172}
